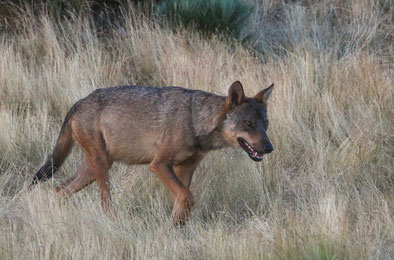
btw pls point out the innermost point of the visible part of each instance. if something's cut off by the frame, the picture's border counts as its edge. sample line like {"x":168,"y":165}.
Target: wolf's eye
{"x":247,"y":122}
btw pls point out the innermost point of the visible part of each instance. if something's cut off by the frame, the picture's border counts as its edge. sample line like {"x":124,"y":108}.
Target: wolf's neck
{"x":212,"y":141}
{"x":208,"y":115}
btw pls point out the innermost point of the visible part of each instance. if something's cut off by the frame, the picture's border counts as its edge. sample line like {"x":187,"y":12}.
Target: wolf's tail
{"x":59,"y":154}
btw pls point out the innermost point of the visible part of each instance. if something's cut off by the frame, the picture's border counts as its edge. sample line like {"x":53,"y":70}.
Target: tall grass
{"x":326,"y":192}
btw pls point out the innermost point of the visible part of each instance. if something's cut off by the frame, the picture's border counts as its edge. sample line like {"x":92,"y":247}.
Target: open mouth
{"x":255,"y":155}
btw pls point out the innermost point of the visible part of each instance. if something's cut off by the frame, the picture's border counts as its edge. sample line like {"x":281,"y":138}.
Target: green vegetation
{"x":212,"y":16}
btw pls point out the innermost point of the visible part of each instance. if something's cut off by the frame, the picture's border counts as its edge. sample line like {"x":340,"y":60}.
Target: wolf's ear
{"x":263,"y":96}
{"x":235,"y":95}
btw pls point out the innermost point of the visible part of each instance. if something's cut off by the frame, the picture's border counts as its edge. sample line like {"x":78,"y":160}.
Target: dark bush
{"x":209,"y":16}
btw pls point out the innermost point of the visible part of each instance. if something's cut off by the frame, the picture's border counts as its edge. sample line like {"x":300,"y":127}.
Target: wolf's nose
{"x":268,"y":149}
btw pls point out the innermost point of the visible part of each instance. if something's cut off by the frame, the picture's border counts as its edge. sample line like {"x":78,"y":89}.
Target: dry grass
{"x":325,"y":193}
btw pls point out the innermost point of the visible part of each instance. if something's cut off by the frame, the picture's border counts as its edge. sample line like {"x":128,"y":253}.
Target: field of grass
{"x":326,"y":192}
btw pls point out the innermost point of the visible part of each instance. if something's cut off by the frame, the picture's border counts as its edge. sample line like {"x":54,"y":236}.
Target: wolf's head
{"x":246,"y":122}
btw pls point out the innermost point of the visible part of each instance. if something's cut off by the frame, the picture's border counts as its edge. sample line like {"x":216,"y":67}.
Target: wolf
{"x":169,"y":128}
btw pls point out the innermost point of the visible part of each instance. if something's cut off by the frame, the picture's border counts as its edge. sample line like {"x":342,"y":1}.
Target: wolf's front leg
{"x":184,"y":198}
{"x":182,"y":209}
{"x":184,"y":172}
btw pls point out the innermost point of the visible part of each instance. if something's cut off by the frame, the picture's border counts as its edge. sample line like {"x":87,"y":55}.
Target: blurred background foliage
{"x":214,"y":16}
{"x":266,"y":26}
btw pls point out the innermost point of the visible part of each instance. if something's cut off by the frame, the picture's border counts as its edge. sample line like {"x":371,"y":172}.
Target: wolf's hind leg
{"x":62,"y":185}
{"x":81,"y":179}
{"x":100,"y":164}
{"x":90,"y":139}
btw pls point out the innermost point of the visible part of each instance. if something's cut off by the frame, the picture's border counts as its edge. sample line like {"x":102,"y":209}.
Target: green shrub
{"x":209,"y":16}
